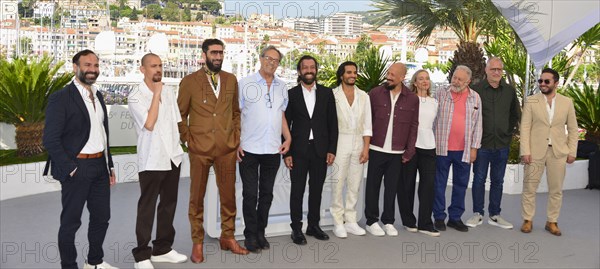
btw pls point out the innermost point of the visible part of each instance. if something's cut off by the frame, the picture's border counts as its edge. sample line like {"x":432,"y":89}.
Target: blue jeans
{"x":496,"y":159}
{"x":460,"y":180}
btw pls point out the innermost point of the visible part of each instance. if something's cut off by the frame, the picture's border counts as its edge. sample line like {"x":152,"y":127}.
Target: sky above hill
{"x":294,"y":9}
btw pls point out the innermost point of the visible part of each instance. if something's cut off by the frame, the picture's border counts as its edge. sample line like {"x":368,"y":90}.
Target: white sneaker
{"x":103,"y":265}
{"x":411,"y":229}
{"x":500,"y":222}
{"x":145,"y":264}
{"x":431,"y":232}
{"x":475,"y":220}
{"x":375,"y":229}
{"x":340,"y":231}
{"x":354,"y":229}
{"x":390,"y":230}
{"x":171,"y":257}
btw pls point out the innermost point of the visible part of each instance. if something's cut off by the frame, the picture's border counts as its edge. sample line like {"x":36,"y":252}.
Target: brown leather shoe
{"x":197,"y":254}
{"x":526,"y":227}
{"x":231,"y":244}
{"x":552,"y":227}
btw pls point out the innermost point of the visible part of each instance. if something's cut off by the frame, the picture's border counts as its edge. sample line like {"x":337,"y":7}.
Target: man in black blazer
{"x":312,"y":118}
{"x":76,"y":138}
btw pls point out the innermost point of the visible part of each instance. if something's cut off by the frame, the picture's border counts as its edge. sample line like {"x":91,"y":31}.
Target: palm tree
{"x":372,"y":70}
{"x":585,"y":101}
{"x":468,"y":19}
{"x":25,"y":85}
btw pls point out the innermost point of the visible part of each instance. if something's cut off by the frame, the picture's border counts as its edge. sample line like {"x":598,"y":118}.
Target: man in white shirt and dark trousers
{"x":156,"y":115}
{"x":263,"y":99}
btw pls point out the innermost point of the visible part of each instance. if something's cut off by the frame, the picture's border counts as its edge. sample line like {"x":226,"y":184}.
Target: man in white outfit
{"x":354,"y":123}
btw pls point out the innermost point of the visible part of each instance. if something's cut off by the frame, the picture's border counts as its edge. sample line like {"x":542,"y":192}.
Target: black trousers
{"x":387,"y":166}
{"x":316,"y":168}
{"x":90,"y":184}
{"x":424,"y":162}
{"x":152,"y":185}
{"x":257,"y":190}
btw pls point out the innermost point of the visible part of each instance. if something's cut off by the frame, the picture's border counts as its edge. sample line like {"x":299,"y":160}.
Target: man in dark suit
{"x":76,"y":138}
{"x":313,"y":119}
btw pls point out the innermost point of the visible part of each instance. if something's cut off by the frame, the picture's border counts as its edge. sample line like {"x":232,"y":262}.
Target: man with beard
{"x":395,"y":110}
{"x":313,"y":119}
{"x":544,"y":144}
{"x":457,"y":138}
{"x":209,"y":97}
{"x":263,"y":99}
{"x":355,"y":131}
{"x":155,"y":115}
{"x":76,"y":138}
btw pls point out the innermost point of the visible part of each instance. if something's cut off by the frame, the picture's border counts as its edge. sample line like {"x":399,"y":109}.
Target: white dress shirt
{"x":262,"y":113}
{"x":310,"y":98}
{"x":550,"y":110}
{"x":97,"y":140}
{"x":158,"y":148}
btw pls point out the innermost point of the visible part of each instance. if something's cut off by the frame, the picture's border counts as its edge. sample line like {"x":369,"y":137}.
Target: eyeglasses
{"x":542,"y":81}
{"x":271,"y":59}
{"x":269,"y":103}
{"x":496,"y":70}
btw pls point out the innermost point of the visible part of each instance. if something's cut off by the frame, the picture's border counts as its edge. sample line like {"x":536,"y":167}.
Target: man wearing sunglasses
{"x":210,"y":113}
{"x":501,"y":111}
{"x":263,"y":99}
{"x":546,"y":146}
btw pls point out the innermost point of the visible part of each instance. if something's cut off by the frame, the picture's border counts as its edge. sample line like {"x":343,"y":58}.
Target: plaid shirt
{"x":443,"y":121}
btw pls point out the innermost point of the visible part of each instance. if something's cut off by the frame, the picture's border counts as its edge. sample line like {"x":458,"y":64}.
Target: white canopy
{"x":548,"y":26}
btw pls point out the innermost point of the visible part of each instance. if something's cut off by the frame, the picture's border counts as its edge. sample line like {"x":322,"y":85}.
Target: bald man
{"x":392,"y":145}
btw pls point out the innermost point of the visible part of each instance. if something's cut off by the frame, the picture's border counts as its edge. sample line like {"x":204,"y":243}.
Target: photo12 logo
{"x":282,"y":9}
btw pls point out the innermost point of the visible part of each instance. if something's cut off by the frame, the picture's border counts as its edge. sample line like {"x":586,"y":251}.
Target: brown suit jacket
{"x":536,"y":130}
{"x":213,"y":126}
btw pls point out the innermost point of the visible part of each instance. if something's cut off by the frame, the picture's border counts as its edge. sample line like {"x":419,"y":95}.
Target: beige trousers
{"x":555,"y":175}
{"x":348,"y":172}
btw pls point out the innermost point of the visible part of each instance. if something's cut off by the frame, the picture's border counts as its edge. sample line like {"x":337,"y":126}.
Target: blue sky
{"x":294,"y":9}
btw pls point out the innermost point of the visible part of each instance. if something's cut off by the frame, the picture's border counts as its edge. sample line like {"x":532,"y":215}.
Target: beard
{"x":388,"y":86}
{"x":306,"y":80}
{"x":547,"y":92}
{"x":82,"y":76}
{"x":157,"y":78}
{"x":456,"y":88}
{"x":213,"y":67}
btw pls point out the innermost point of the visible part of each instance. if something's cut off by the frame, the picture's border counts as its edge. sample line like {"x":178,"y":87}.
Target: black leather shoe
{"x":298,"y":237}
{"x":440,"y":225}
{"x":252,"y":245}
{"x":458,"y":225}
{"x":262,"y":242}
{"x":317,"y":233}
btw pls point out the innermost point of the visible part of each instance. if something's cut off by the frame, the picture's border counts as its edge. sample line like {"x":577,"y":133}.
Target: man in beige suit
{"x":544,"y":144}
{"x":209,"y":97}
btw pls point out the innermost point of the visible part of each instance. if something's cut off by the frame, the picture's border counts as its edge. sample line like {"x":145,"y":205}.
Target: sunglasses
{"x":543,"y":81}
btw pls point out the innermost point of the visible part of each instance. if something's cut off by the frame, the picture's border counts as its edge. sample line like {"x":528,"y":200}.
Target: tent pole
{"x":527,"y":76}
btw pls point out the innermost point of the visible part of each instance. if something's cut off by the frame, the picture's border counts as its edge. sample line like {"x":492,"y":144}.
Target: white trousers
{"x":348,"y":172}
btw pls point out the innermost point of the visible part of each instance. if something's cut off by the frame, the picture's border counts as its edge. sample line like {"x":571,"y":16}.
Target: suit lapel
{"x":542,"y":108}
{"x":78,"y":100}
{"x":209,"y":94}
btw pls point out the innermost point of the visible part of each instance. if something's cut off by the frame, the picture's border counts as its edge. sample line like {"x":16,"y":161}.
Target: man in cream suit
{"x":544,"y":144}
{"x":355,"y":130}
